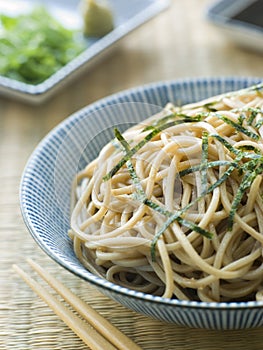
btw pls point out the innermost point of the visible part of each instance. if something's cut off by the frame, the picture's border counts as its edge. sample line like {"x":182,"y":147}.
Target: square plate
{"x":126,"y":17}
{"x":244,"y":33}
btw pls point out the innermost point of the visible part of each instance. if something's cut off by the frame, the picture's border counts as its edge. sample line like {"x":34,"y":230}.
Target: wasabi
{"x":97,"y":17}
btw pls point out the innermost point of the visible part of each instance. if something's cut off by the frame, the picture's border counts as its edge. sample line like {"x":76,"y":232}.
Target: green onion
{"x":35,"y":45}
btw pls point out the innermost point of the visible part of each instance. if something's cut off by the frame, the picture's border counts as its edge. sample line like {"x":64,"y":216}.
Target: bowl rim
{"x":85,"y":274}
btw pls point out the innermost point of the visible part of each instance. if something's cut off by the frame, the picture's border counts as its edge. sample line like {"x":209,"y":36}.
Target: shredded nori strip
{"x":237,"y":126}
{"x":143,"y":142}
{"x":204,"y":162}
{"x":185,"y":119}
{"x":214,"y":164}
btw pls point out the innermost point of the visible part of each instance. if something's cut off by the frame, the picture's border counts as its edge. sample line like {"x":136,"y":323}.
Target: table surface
{"x":178,"y":43}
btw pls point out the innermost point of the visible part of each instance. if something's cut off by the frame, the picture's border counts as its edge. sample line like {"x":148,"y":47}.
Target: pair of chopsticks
{"x":96,"y":331}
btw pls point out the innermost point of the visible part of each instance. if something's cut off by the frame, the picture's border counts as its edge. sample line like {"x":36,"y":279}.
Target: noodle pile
{"x":174,"y":205}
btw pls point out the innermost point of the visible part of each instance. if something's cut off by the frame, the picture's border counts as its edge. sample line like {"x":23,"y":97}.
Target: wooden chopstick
{"x":113,"y":334}
{"x":93,"y":339}
{"x":98,"y":333}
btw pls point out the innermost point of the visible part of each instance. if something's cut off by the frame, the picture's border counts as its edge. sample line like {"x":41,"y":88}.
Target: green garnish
{"x":254,"y":168}
{"x":139,"y":190}
{"x":226,"y":144}
{"x":200,"y":167}
{"x":204,"y":162}
{"x":258,"y":88}
{"x":210,"y":106}
{"x":249,"y":148}
{"x":177,"y":217}
{"x":241,"y":119}
{"x":34,"y":46}
{"x":184,"y":119}
{"x":155,"y":131}
{"x":130,"y":153}
{"x":237,"y":126}
{"x":246,"y":182}
{"x":259,"y":123}
{"x":253,"y":113}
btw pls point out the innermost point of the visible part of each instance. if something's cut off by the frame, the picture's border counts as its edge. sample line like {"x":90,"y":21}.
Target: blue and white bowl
{"x":46,"y":186}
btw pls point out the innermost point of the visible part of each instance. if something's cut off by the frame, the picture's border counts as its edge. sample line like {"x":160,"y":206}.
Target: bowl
{"x":46,"y":187}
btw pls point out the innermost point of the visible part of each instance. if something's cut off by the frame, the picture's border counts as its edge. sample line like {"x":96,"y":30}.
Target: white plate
{"x":127,"y":18}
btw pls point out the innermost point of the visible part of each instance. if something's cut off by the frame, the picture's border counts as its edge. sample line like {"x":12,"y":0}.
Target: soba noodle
{"x":174,"y":205}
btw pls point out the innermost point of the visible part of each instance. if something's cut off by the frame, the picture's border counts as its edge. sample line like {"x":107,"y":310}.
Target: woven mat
{"x":27,"y":323}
